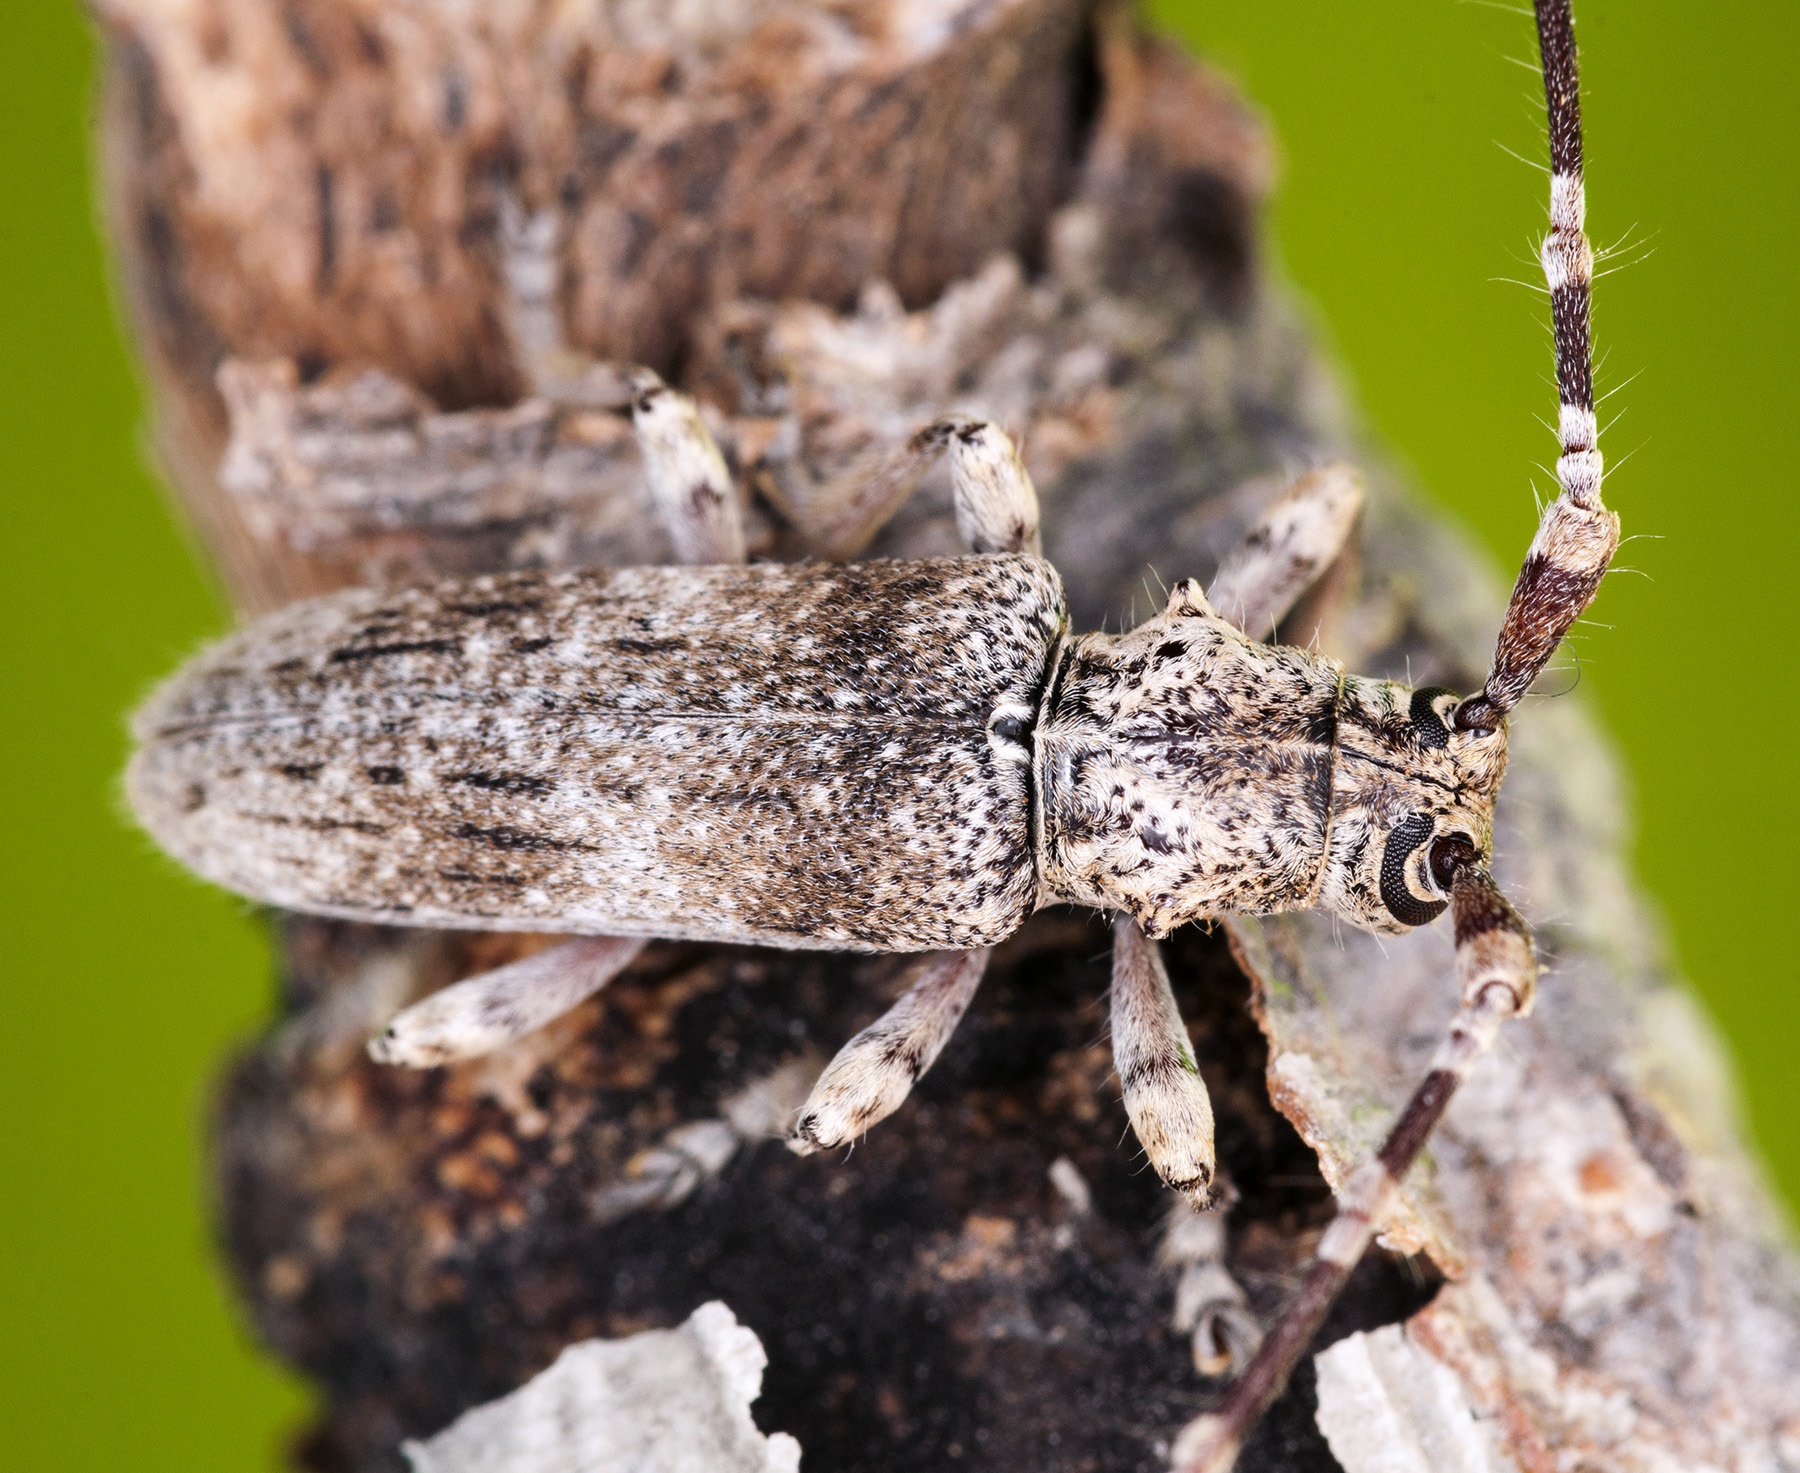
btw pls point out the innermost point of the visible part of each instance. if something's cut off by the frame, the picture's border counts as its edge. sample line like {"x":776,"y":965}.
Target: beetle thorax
{"x":1184,"y":770}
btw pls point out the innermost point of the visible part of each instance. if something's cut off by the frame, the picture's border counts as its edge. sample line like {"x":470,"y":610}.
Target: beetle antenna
{"x":1577,"y":536}
{"x":1498,"y":969}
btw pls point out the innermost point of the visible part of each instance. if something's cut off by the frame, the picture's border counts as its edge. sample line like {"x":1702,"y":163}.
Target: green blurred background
{"x":1399,"y":213}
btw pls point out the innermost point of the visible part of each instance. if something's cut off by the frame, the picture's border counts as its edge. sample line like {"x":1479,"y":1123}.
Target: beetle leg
{"x":1209,"y":1306}
{"x":1164,"y":1096}
{"x":1295,"y":539}
{"x":492,"y":1009}
{"x":996,"y":504}
{"x":873,"y":1073}
{"x":1498,"y":970}
{"x":688,"y":477}
{"x":530,"y":263}
{"x":695,"y":1152}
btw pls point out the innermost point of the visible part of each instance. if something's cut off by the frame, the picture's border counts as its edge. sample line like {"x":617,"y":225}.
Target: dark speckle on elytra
{"x":350,"y":654}
{"x":496,"y":606}
{"x":386,"y":777}
{"x":648,"y":646}
{"x":503,"y":836}
{"x":501,"y":782}
{"x":333,"y":825}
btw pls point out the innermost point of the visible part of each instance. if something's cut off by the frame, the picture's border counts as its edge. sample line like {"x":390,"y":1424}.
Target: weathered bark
{"x":374,"y":251}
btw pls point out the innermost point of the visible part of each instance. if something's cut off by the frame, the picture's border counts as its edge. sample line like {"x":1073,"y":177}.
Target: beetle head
{"x":1412,"y":802}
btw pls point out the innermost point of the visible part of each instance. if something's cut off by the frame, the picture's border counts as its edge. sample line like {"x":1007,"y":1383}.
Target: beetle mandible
{"x":892,"y":756}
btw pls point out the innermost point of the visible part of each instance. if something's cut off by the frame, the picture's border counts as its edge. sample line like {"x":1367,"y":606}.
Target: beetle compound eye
{"x":1427,"y":724}
{"x":1449,"y":854}
{"x":1403,"y":840}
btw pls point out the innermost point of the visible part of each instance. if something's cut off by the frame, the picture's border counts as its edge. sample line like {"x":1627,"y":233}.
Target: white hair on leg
{"x":1168,"y":1105}
{"x":996,"y":504}
{"x":490,"y":1010}
{"x":688,"y":478}
{"x":1296,"y":538}
{"x":873,"y":1073}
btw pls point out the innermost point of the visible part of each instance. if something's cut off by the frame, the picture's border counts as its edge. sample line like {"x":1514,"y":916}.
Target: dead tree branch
{"x":385,"y":259}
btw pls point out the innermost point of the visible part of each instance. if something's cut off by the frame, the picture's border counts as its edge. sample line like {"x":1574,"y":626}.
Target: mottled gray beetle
{"x":899,"y":756}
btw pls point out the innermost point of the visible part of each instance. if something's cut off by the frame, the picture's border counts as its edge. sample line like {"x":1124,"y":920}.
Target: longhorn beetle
{"x":893,"y":756}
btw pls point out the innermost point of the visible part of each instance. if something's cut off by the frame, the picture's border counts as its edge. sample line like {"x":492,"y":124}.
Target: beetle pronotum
{"x":900,"y":756}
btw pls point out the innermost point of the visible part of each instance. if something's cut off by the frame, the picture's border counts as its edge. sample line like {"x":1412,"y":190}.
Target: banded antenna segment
{"x":1577,"y":537}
